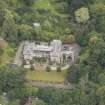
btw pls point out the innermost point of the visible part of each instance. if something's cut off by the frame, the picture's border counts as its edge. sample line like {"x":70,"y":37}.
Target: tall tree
{"x":11,"y":78}
{"x":3,"y":6}
{"x":9,"y":29}
{"x":82,"y":15}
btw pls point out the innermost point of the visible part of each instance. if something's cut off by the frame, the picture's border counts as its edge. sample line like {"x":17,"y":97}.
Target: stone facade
{"x":53,"y":53}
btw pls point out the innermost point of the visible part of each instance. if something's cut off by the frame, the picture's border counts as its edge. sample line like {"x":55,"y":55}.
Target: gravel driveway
{"x":50,"y":85}
{"x":18,"y":59}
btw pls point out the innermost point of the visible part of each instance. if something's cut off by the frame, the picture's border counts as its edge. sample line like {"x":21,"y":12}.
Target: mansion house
{"x":54,"y":52}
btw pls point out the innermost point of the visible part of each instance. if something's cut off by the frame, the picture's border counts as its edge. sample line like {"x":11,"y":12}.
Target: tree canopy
{"x":72,"y":21}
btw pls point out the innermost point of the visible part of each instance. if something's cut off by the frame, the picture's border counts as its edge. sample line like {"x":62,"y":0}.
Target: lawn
{"x":41,"y":75}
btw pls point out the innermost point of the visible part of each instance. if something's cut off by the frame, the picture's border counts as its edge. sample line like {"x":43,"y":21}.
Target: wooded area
{"x":72,"y":21}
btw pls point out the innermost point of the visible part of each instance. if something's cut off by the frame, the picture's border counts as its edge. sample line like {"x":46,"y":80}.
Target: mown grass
{"x":41,"y":75}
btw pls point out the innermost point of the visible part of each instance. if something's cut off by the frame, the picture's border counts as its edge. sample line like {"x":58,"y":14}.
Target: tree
{"x":82,"y":15}
{"x":25,"y":32}
{"x":93,"y":64}
{"x":101,"y":78}
{"x":3,"y":5}
{"x":1,"y":52}
{"x":75,"y":5}
{"x":47,"y":25}
{"x":38,"y":102}
{"x":70,"y":39}
{"x":11,"y":79}
{"x":97,"y":10}
{"x":54,"y":96}
{"x":100,"y":93}
{"x":9,"y":29}
{"x":97,"y":51}
{"x":98,"y":15}
{"x":73,"y":75}
{"x":27,"y":2}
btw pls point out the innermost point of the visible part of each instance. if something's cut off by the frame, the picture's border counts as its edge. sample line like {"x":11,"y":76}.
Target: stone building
{"x":52,"y":52}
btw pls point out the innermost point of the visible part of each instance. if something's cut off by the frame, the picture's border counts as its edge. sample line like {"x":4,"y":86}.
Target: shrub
{"x":48,"y":69}
{"x":58,"y":69}
{"x":70,"y":39}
